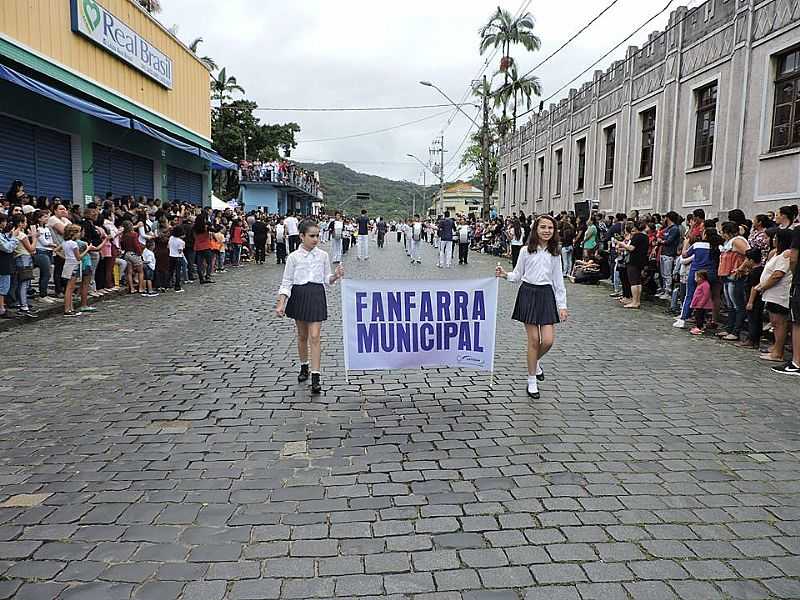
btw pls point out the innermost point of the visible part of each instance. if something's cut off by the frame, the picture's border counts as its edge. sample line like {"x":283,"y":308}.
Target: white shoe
{"x":679,"y":324}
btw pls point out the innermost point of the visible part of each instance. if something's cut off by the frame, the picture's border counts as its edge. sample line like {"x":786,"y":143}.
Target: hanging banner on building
{"x":96,"y":23}
{"x":407,"y":324}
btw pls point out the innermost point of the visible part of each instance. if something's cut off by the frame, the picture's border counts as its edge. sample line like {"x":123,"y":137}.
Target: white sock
{"x":538,"y":368}
{"x":532,"y":385}
{"x":304,"y":364}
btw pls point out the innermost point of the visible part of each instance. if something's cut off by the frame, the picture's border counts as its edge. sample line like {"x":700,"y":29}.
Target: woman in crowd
{"x":202,"y":248}
{"x":302,"y":298}
{"x":23,"y":262}
{"x":516,"y":234}
{"x":759,"y":239}
{"x":774,"y":286}
{"x":567,"y":235}
{"x":732,"y":256}
{"x":542,"y":298}
{"x":590,"y":238}
{"x":704,"y":252}
{"x":637,"y":248}
{"x":132,"y":253}
{"x":237,"y":239}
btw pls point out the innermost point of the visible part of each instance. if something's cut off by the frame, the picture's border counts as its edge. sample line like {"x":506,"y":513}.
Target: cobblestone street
{"x":162,"y":449}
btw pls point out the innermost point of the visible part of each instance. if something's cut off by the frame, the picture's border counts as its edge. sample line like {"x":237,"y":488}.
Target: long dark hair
{"x":533,"y":239}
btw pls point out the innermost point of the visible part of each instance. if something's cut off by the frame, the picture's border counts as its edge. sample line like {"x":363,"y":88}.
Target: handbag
{"x":25,"y":274}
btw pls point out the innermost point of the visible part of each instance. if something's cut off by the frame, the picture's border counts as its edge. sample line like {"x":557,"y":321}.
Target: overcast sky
{"x":346,"y":53}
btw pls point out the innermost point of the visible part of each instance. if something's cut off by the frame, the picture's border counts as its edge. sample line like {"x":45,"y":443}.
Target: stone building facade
{"x":706,"y":114}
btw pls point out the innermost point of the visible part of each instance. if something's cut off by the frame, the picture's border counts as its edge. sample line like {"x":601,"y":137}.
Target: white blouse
{"x":304,"y":267}
{"x":541,"y":268}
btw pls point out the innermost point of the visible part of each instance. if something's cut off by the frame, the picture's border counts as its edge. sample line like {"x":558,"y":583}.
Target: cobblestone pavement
{"x":164,"y":450}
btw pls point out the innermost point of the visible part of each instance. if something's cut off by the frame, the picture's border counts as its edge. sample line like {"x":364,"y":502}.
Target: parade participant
{"x":446,"y":228}
{"x":464,"y":239}
{"x":336,"y":232}
{"x":292,"y":233}
{"x":542,"y":299}
{"x":302,"y":297}
{"x":407,"y":232}
{"x":363,"y":235}
{"x":416,"y":240}
{"x":381,"y":228}
{"x":280,"y":242}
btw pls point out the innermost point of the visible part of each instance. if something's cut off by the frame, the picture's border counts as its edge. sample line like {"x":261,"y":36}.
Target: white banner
{"x":410,"y":323}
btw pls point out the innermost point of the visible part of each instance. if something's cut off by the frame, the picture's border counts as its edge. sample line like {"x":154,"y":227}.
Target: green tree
{"x":209,"y":62}
{"x":223,"y":87}
{"x":234,"y":122}
{"x":515,"y":90}
{"x":504,"y":30}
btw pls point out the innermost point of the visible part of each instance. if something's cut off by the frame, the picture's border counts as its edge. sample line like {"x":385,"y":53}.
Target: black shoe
{"x":303,"y":376}
{"x":316,"y":386}
{"x":540,"y":376}
{"x":534,"y":395}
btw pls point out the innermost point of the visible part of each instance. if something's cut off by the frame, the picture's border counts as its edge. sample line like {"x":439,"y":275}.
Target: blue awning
{"x":167,"y":139}
{"x":217,"y":162}
{"x":62,"y":97}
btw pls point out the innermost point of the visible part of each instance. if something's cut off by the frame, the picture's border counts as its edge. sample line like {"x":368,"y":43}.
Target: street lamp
{"x":484,"y":136}
{"x":450,"y":100}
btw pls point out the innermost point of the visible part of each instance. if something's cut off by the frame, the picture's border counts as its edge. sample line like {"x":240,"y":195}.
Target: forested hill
{"x":389,"y":198}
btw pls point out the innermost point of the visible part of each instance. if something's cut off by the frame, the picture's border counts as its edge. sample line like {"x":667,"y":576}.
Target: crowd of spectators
{"x":61,"y":252}
{"x":279,"y":171}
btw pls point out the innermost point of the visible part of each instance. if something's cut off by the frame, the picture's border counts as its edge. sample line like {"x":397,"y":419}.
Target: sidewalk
{"x":52,"y":306}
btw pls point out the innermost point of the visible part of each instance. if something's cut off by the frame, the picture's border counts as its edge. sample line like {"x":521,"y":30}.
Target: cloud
{"x":319,"y":53}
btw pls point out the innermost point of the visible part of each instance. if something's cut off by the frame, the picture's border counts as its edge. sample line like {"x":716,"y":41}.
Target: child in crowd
{"x":77,"y":269}
{"x":701,"y":302}
{"x":149,"y":260}
{"x":176,"y":246}
{"x":753,"y":269}
{"x":302,"y":297}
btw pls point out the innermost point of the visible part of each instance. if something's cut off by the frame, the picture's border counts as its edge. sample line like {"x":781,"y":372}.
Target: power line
{"x":637,"y":30}
{"x":575,"y":36}
{"x":365,"y":133}
{"x":358,"y":108}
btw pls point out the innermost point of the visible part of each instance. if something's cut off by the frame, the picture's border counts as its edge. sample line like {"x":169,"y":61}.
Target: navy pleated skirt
{"x":308,"y":303}
{"x":536,"y":305}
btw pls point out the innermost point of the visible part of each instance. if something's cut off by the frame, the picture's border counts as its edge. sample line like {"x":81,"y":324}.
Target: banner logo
{"x":91,"y":14}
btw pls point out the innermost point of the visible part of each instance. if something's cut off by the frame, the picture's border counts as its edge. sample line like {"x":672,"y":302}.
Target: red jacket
{"x":702,"y":296}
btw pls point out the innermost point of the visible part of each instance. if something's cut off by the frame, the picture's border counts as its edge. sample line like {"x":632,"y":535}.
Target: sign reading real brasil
{"x":413,"y":323}
{"x":95,"y":22}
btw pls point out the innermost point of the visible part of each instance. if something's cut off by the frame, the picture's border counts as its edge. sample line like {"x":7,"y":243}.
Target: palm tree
{"x":151,"y":6}
{"x":517,"y":89}
{"x":209,"y":62}
{"x":503,"y":30}
{"x":222,"y":87}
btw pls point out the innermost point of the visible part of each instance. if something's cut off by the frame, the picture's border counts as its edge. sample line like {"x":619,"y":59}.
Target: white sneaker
{"x":679,"y":324}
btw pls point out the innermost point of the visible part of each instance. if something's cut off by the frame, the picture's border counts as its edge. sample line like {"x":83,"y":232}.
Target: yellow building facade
{"x":103,"y":99}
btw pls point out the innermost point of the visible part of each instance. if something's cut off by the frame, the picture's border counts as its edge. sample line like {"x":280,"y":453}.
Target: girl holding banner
{"x":542,"y":298}
{"x":302,"y":298}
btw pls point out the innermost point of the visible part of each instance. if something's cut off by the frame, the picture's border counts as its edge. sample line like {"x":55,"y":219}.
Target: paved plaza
{"x":162,"y":449}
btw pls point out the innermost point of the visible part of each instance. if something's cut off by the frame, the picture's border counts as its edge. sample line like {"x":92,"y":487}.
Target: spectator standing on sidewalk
{"x":8,"y":244}
{"x":792,"y":367}
{"x":774,"y":286}
{"x":57,"y":222}
{"x":43,"y":258}
{"x":670,"y":239}
{"x":732,"y":257}
{"x":23,"y":262}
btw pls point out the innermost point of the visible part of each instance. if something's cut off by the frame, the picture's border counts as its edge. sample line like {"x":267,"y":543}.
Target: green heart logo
{"x":91,"y":14}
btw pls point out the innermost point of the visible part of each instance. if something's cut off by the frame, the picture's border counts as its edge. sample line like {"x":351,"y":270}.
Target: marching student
{"x":336,"y":231}
{"x":464,"y":239}
{"x":416,"y":240}
{"x":446,"y":229}
{"x":302,"y":297}
{"x":542,"y":298}
{"x":363,"y":235}
{"x":280,"y":242}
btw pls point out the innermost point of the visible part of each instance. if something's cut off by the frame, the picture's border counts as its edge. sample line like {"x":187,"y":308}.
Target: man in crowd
{"x":446,"y":229}
{"x":292,"y":232}
{"x":669,"y":250}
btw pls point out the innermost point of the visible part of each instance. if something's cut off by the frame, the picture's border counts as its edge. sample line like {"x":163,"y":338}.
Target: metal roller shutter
{"x":184,"y":186}
{"x":121,"y":173}
{"x":53,"y":163}
{"x":41,"y":158}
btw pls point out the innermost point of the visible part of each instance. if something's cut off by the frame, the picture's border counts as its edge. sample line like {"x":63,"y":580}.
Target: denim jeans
{"x":43,"y":259}
{"x":737,"y":304}
{"x":666,"y":263}
{"x":23,"y":285}
{"x":189,"y":255}
{"x":236,"y":252}
{"x":204,"y":263}
{"x":566,"y":259}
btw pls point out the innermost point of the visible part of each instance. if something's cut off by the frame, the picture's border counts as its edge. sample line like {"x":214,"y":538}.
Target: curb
{"x":47,"y":309}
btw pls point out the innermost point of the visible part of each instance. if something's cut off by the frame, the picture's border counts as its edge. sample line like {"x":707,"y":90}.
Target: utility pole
{"x":438,"y":147}
{"x":485,"y":150}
